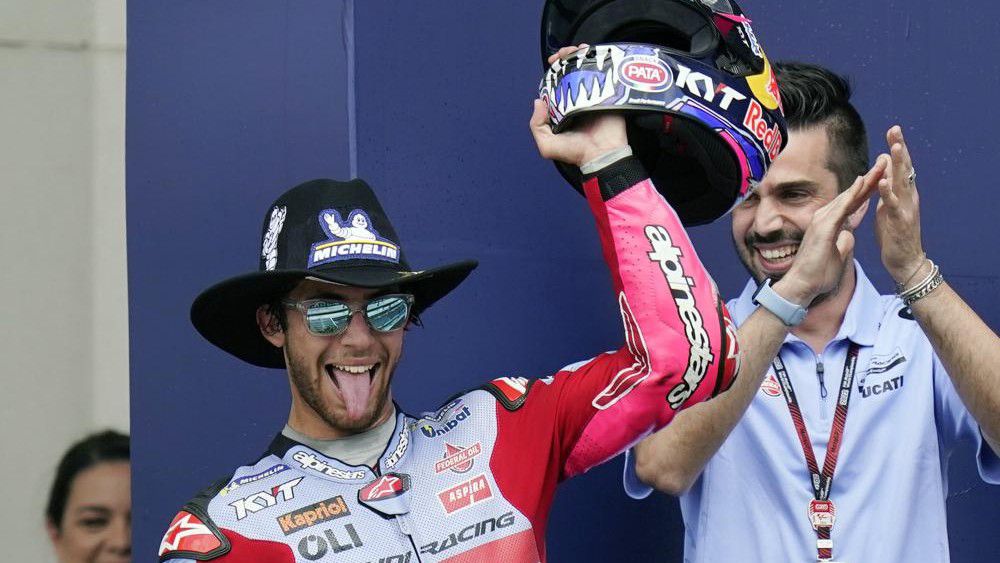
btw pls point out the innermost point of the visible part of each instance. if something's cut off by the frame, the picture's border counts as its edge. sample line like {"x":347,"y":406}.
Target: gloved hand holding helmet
{"x":703,"y":108}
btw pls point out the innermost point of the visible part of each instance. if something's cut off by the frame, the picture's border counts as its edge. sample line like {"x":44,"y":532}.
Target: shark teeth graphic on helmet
{"x":595,"y":85}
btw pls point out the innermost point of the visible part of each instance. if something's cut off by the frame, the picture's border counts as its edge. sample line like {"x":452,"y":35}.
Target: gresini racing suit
{"x":475,"y":480}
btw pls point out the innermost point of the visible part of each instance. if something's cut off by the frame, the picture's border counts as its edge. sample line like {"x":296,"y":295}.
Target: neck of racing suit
{"x":364,"y":448}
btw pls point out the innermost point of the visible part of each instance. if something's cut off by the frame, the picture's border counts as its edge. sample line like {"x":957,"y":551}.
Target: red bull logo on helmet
{"x":645,"y":73}
{"x":754,"y":122}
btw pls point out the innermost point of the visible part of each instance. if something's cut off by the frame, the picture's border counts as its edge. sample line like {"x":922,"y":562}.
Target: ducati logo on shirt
{"x":877,"y":366}
{"x":882,"y":363}
{"x":880,"y":388}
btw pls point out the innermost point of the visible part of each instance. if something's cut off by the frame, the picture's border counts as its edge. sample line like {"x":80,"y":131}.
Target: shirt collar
{"x":861,"y":320}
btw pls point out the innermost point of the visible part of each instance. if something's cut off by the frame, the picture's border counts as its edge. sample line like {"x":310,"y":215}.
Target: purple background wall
{"x":229,"y":103}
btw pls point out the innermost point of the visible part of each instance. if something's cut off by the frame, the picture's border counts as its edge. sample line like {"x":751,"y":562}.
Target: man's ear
{"x":854,"y":219}
{"x":270,"y":326}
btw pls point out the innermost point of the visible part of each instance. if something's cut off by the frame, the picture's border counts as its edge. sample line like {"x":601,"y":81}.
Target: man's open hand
{"x":590,"y":137}
{"x":829,"y":239}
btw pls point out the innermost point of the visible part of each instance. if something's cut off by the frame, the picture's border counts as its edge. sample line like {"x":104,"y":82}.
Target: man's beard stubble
{"x":309,"y":390}
{"x":746,"y":257}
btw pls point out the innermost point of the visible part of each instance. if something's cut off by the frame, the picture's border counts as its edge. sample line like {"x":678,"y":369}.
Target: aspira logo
{"x":669,"y":257}
{"x":309,"y":461}
{"x":265,"y":499}
{"x":469,"y":532}
{"x":645,"y":73}
{"x":466,"y":494}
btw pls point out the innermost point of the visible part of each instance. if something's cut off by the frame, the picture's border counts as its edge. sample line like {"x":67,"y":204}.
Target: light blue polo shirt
{"x":904,"y":418}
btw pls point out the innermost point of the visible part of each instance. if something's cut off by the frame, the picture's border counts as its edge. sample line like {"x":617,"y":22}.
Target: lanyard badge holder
{"x":821,"y":510}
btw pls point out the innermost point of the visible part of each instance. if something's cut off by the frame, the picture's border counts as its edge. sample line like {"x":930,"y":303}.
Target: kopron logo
{"x":645,"y":73}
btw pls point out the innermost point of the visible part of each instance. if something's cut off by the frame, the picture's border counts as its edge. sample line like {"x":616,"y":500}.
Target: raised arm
{"x":673,"y":458}
{"x":968,"y":349}
{"x":679,"y":345}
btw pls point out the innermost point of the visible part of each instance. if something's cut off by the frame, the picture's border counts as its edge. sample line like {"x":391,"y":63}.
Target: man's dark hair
{"x":276,"y":308}
{"x":814,"y":96}
{"x":107,"y":446}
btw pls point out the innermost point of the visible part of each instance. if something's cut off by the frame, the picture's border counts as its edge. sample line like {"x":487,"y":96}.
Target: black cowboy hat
{"x":323,"y":229}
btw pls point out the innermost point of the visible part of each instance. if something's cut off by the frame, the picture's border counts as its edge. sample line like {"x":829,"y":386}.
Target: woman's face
{"x":97,"y":524}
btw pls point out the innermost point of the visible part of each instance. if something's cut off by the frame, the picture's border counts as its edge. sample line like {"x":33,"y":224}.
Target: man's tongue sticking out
{"x":355,"y":388}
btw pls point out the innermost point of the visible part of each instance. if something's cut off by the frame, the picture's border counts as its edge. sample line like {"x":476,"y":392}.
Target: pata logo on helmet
{"x":645,"y":73}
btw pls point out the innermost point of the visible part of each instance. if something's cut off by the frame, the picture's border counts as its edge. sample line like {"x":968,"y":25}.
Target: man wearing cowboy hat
{"x":352,"y":477}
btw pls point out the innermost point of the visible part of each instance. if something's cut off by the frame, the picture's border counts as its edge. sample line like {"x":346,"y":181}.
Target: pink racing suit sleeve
{"x":680,"y":346}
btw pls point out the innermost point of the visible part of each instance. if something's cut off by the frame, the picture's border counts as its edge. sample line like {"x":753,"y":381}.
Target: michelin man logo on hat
{"x":354,"y":238}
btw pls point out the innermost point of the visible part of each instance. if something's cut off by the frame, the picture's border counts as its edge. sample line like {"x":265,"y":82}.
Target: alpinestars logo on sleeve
{"x":188,"y":534}
{"x":700,"y":356}
{"x":354,"y":238}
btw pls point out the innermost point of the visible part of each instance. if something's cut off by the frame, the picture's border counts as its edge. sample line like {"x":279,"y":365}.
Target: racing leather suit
{"x":475,"y":480}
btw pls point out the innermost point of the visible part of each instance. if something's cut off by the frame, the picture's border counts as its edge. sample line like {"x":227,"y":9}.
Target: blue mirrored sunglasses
{"x":327,"y":317}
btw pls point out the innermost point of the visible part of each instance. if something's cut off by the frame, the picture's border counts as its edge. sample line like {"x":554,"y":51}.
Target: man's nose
{"x":767,"y":217}
{"x":358,"y":334}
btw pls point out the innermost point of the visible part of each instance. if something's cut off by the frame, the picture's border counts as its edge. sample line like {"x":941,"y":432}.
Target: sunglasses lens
{"x":388,"y":313}
{"x":327,"y":317}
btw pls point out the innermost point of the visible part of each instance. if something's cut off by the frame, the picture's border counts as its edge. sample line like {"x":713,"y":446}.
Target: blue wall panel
{"x":228,"y":101}
{"x":231,"y":102}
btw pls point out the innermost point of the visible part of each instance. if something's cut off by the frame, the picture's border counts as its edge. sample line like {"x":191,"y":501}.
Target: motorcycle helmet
{"x":702,"y":106}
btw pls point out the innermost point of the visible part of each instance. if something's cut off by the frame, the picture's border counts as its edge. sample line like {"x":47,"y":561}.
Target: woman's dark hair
{"x":94,"y":449}
{"x":815,"y":96}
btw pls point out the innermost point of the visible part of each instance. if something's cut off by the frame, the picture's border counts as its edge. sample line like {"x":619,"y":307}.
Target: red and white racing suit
{"x":474,"y":481}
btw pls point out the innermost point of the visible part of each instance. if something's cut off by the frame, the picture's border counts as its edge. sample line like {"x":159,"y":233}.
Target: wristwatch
{"x":789,"y":313}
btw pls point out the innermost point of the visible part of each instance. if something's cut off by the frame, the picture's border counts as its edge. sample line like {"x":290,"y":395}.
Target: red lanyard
{"x":821,"y":509}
